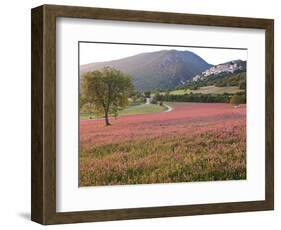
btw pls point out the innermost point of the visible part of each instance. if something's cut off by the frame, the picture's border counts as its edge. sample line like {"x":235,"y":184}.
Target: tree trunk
{"x":106,"y":119}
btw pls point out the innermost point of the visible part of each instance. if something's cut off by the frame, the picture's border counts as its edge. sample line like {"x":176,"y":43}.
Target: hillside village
{"x":229,"y":67}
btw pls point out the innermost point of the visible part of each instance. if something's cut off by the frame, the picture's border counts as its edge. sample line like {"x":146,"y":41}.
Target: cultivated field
{"x":193,"y":142}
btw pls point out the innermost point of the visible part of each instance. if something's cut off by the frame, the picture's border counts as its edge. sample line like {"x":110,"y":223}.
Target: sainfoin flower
{"x":193,"y":142}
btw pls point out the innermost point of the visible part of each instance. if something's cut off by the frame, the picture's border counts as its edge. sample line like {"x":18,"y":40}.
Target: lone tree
{"x":107,"y":89}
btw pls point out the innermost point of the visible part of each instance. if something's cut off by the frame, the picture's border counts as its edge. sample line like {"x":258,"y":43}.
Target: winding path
{"x":169,"y":108}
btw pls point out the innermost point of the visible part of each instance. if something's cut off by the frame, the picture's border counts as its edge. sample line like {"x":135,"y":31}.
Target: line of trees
{"x":208,"y":98}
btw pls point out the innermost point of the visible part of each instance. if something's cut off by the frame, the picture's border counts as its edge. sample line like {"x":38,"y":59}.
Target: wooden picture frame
{"x":43,"y":189}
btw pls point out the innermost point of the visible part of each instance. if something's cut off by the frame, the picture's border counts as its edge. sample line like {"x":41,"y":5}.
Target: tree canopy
{"x":107,"y":90}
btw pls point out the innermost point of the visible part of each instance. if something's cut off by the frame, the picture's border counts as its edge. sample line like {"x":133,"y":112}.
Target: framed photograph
{"x":141,"y":114}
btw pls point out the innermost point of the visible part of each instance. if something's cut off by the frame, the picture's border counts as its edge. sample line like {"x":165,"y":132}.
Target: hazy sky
{"x":95,"y":52}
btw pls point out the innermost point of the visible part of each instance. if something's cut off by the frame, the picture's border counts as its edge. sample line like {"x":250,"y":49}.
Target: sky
{"x":97,"y":52}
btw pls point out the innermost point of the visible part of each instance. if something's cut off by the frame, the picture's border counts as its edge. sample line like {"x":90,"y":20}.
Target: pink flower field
{"x":193,"y":142}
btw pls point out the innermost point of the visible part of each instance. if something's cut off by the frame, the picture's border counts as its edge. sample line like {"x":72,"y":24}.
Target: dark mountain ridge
{"x":162,"y":70}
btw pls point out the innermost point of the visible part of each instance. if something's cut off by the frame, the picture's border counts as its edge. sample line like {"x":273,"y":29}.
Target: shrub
{"x":147,"y":94}
{"x":242,"y":85}
{"x":153,"y":101}
{"x":238,"y":99}
{"x":194,"y":87}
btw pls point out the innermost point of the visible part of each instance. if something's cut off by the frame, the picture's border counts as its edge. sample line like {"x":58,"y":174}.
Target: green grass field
{"x":208,"y":90}
{"x":131,"y":110}
{"x":141,"y":109}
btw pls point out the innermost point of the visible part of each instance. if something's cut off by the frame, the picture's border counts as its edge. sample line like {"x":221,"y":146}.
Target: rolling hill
{"x":162,"y":70}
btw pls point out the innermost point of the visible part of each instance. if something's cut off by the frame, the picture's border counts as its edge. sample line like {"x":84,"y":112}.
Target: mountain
{"x":161,"y":70}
